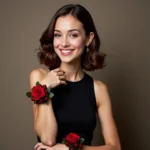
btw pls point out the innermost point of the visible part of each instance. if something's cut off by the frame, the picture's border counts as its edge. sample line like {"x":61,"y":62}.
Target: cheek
{"x":79,"y":43}
{"x":56,"y":42}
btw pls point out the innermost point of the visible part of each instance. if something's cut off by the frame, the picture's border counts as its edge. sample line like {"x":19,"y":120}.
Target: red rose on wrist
{"x":76,"y":145}
{"x":38,"y":92}
{"x":72,"y":138}
{"x":73,"y":141}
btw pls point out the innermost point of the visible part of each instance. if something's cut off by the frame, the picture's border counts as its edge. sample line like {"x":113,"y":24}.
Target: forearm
{"x":45,"y":125}
{"x":104,"y":147}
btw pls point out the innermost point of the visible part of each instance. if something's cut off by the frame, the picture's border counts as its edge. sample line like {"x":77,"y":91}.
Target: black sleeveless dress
{"x":75,"y":109}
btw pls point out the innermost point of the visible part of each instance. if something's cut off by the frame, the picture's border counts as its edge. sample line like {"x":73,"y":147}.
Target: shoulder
{"x":101,"y":92}
{"x":37,"y":75}
{"x":99,"y":84}
{"x":38,"y":72}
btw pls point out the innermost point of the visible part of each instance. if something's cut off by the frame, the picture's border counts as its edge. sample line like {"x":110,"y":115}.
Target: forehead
{"x":68,"y":22}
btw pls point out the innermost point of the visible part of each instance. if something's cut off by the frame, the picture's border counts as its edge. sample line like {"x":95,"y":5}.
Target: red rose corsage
{"x":73,"y":141}
{"x":40,"y":94}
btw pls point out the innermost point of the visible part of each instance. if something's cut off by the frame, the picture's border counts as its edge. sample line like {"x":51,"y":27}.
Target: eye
{"x":57,"y":35}
{"x":74,"y":35}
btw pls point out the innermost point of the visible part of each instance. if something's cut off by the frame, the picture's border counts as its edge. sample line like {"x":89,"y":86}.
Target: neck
{"x":73,"y":71}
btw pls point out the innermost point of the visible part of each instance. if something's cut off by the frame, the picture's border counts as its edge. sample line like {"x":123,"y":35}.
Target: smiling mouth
{"x":66,"y":51}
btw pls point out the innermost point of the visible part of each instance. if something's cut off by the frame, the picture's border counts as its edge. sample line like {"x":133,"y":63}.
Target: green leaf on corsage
{"x":49,"y":90}
{"x":28,"y":94}
{"x":81,"y":140}
{"x":51,"y":95}
{"x":63,"y":142}
{"x":37,"y":83}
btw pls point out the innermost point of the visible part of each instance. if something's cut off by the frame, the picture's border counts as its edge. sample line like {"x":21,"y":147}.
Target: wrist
{"x":43,"y":82}
{"x":66,"y":147}
{"x":73,"y":141}
{"x":40,"y":93}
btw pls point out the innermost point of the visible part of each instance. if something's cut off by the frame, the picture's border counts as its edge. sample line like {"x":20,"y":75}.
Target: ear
{"x":89,"y":39}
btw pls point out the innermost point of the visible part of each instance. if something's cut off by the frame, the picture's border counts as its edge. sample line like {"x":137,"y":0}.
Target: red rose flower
{"x":80,"y":145}
{"x":72,"y":138}
{"x":38,"y":92}
{"x":76,"y":145}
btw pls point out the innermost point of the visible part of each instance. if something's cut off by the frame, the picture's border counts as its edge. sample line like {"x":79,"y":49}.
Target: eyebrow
{"x":69,"y":30}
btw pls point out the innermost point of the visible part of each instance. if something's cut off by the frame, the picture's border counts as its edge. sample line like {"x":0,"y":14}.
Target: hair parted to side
{"x":91,"y":60}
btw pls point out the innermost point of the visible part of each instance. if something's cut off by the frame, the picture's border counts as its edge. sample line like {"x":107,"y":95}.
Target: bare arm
{"x":45,"y":124}
{"x":109,"y":129}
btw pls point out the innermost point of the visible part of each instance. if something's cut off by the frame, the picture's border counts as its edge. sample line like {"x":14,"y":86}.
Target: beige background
{"x":124,"y":30}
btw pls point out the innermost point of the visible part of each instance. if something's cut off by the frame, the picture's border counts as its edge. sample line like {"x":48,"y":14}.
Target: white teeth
{"x":66,"y":51}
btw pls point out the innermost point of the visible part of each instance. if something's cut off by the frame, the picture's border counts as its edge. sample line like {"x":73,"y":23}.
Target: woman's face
{"x":69,"y":38}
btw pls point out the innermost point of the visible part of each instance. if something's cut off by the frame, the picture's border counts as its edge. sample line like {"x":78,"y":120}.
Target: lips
{"x":66,"y":52}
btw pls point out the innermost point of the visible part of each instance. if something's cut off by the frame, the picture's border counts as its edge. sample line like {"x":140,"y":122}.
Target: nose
{"x":65,"y":42}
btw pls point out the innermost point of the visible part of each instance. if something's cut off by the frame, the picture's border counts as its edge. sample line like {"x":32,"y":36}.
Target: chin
{"x":66,"y":60}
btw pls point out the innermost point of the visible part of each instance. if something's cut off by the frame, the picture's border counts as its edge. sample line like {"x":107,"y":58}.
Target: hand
{"x":54,"y":78}
{"x":40,"y":146}
{"x":60,"y":147}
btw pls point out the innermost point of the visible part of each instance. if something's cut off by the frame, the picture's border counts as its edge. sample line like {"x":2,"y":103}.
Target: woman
{"x":69,"y":46}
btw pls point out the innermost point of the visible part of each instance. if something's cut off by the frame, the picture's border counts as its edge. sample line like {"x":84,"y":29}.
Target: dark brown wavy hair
{"x":91,"y":60}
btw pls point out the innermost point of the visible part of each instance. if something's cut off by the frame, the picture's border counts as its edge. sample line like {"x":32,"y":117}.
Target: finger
{"x":56,"y":70}
{"x":42,"y":147}
{"x":63,"y":82}
{"x":62,"y":77}
{"x":60,"y":73}
{"x":37,"y":145}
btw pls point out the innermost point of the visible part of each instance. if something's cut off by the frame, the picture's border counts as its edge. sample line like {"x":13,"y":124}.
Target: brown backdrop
{"x":124,"y":30}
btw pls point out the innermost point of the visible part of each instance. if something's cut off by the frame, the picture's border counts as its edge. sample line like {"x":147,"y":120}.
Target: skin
{"x":69,"y":34}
